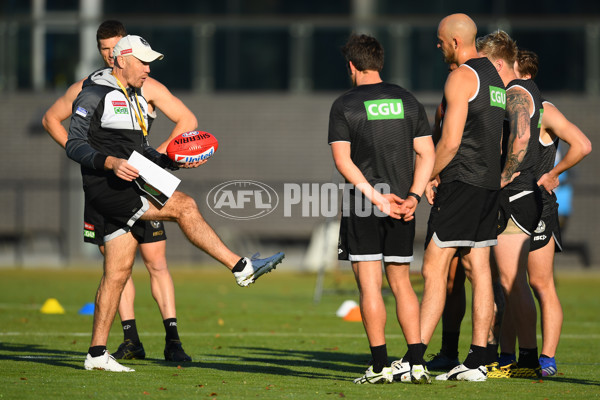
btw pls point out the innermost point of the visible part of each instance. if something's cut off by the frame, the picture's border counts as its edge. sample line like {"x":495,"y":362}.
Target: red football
{"x":192,"y":146}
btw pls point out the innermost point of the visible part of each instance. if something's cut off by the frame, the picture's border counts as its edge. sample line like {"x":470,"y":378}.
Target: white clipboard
{"x":153,"y":180}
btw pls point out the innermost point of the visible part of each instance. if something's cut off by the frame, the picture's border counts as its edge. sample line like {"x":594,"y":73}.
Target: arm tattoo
{"x":517,"y":108}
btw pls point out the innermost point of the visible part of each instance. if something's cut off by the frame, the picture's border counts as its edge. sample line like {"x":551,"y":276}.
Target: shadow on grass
{"x":326,"y":364}
{"x":37,"y":354}
{"x":562,"y":379}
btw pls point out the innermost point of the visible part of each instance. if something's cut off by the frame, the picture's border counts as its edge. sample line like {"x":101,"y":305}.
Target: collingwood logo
{"x":155,"y":224}
{"x":541,"y":227}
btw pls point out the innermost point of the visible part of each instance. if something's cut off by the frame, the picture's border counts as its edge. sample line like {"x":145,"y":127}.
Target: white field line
{"x":591,"y":336}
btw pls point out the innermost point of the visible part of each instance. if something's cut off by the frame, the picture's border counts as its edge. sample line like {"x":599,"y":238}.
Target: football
{"x":192,"y":146}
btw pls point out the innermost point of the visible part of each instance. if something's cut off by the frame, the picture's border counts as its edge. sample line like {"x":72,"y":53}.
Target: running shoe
{"x":174,"y":352}
{"x":526,"y":372}
{"x":441,"y":362}
{"x":492,"y":367}
{"x":105,"y":362}
{"x":130,"y":351}
{"x":419,"y":374}
{"x":256,"y":267}
{"x":548,"y":365}
{"x":385,"y":376}
{"x":401,"y":371}
{"x":498,"y":371}
{"x":462,"y":373}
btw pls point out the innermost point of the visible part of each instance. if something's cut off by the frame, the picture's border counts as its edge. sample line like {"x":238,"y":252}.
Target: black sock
{"x":476,"y":357}
{"x":239,"y":267}
{"x":492,"y":353}
{"x":544,"y":356}
{"x":450,"y":344}
{"x":380,"y":357}
{"x":171,"y":329}
{"x":130,"y":331}
{"x":528,"y":358}
{"x":415,"y":353}
{"x":96,"y":351}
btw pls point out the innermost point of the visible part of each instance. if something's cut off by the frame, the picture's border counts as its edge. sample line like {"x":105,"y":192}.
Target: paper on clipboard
{"x":154,"y":180}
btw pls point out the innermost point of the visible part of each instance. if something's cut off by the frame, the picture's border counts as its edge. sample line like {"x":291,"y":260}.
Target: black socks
{"x":491,"y":353}
{"x":528,"y":358}
{"x":239,"y":267}
{"x":97,"y":351}
{"x":380,"y":357}
{"x":171,"y":329}
{"x":450,"y":344}
{"x":414,"y":354}
{"x":130,"y":331}
{"x":476,"y":357}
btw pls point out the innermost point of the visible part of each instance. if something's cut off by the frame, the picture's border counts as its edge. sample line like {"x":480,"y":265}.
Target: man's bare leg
{"x":118,"y":261}
{"x":476,"y":262}
{"x":436,"y":263}
{"x":161,"y":282}
{"x":182,"y":209}
{"x":369,"y":278}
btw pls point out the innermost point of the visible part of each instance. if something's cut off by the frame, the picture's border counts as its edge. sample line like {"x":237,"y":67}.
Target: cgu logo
{"x":199,"y":157}
{"x":242,"y":200}
{"x":497,"y":97}
{"x":384,"y":109}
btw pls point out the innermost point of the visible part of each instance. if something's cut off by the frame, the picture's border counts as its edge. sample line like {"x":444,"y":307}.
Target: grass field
{"x":267,"y":341}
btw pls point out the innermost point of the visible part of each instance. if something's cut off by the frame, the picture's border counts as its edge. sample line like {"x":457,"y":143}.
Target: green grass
{"x":267,"y":341}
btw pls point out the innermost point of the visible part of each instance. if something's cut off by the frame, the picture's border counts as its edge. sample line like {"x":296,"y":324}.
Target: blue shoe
{"x":548,"y":365}
{"x":506,"y":359}
{"x":257,"y":267}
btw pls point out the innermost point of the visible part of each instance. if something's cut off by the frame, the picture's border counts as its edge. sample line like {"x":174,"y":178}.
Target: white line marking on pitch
{"x":262,"y":334}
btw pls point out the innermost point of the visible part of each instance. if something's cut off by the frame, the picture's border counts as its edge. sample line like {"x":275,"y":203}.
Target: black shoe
{"x":130,"y":351}
{"x":174,"y":352}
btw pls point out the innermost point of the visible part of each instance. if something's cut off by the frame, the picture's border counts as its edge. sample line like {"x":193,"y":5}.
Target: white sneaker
{"x":105,"y":362}
{"x":385,"y":376}
{"x":419,"y":374}
{"x":256,"y":267}
{"x":462,"y":373}
{"x":401,"y":371}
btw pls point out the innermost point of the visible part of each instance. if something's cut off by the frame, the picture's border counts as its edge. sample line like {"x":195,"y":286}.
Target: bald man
{"x":467,"y":177}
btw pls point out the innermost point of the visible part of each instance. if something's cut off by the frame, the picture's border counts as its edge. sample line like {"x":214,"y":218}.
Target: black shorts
{"x":548,"y":227}
{"x":463,"y":215}
{"x":374,"y":238}
{"x":524,"y":207}
{"x":143,"y":231}
{"x":120,"y":203}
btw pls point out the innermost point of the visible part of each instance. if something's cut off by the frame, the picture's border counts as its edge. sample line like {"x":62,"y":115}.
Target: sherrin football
{"x":192,"y":146}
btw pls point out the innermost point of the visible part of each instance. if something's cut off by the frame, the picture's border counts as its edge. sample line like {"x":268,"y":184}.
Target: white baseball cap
{"x":137,"y":46}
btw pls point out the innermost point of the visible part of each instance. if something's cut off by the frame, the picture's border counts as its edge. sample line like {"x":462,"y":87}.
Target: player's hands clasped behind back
{"x":396,"y":207}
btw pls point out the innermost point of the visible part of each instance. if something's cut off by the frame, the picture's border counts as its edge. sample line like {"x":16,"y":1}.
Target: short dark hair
{"x":110,"y":29}
{"x":527,"y":63}
{"x":365,"y":52}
